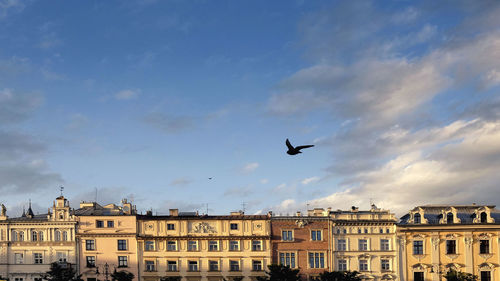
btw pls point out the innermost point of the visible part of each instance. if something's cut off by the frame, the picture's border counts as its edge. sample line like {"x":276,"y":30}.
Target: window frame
{"x":90,"y":261}
{"x":287,"y":235}
{"x":234,"y":242}
{"x":257,"y":247}
{"x":122,"y":261}
{"x":90,"y":245}
{"x":315,"y":233}
{"x":291,"y":258}
{"x":38,"y":258}
{"x":383,"y":244}
{"x":122,"y":246}
{"x":149,"y":243}
{"x":316,"y":260}
{"x":211,"y":267}
{"x":363,"y":262}
{"x":172,"y":266}
{"x":365,"y":244}
{"x":234,"y":266}
{"x":418,"y":247}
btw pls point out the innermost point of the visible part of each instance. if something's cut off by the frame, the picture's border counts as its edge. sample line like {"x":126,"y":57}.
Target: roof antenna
{"x":95,"y":195}
{"x":243,"y":204}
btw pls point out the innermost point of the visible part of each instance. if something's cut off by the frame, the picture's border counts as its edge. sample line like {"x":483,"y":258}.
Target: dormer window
{"x":449,"y":218}
{"x":417,"y":218}
{"x":484,"y":217}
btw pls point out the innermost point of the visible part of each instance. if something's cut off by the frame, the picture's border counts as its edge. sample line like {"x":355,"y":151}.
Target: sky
{"x":187,"y":104}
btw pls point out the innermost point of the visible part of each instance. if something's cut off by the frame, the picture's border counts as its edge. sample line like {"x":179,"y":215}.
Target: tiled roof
{"x":466,"y":213}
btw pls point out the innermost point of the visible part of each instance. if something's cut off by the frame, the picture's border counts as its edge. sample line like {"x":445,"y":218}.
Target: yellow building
{"x":434,"y":239}
{"x":365,"y":241}
{"x":106,"y":240}
{"x":202,"y":247}
{"x":30,"y":243}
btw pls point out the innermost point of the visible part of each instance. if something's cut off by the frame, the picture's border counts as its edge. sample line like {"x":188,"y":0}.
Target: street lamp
{"x":106,"y":271}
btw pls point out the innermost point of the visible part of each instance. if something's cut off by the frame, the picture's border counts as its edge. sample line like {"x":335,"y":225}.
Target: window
{"x":90,"y":261}
{"x":14,"y":235}
{"x":418,"y":247}
{"x":192,"y":266}
{"x":122,"y":261}
{"x":416,"y":218}
{"x":342,"y":265}
{"x":99,"y":224}
{"x":57,"y":235}
{"x":170,"y":226}
{"x":418,"y":276}
{"x":61,"y":256}
{"x":345,"y":231}
{"x":384,"y":244}
{"x":37,"y":279}
{"x":287,"y":259}
{"x":341,"y":245}
{"x":37,"y":258}
{"x":484,"y":219}
{"x":363,"y":245}
{"x":122,"y":245}
{"x":388,"y":231}
{"x":316,"y":260}
{"x":451,"y":247}
{"x":149,"y":246}
{"x":385,"y":265}
{"x":171,"y":245}
{"x":40,"y":236}
{"x":234,"y":226}
{"x":381,"y":230}
{"x":213,"y":245}
{"x":234,"y":266}
{"x":171,"y":265}
{"x":316,"y":235}
{"x":366,"y":230}
{"x":21,"y":236}
{"x":338,"y":230}
{"x":88,"y":279}
{"x":449,"y":218}
{"x":287,"y":235}
{"x":65,"y":236}
{"x":256,"y":265}
{"x":256,"y":245}
{"x":484,"y":246}
{"x":18,"y":279}
{"x":34,"y":236}
{"x":485,"y":276}
{"x":150,"y":266}
{"x":111,"y":224}
{"x":90,"y":245}
{"x":192,"y":245}
{"x":363,"y":265}
{"x":213,"y":266}
{"x":234,"y":245}
{"x":359,"y":230}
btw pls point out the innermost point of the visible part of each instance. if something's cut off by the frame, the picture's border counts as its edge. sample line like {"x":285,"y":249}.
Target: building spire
{"x":24,"y":213}
{"x":30,"y":213}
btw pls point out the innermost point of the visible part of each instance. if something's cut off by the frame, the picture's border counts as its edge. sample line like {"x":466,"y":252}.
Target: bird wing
{"x":289,"y":145}
{"x":303,"y":146}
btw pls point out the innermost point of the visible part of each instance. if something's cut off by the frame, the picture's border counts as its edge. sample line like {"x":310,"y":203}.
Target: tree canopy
{"x":61,"y":272}
{"x":122,"y":276}
{"x":453,"y":275}
{"x":280,"y":273}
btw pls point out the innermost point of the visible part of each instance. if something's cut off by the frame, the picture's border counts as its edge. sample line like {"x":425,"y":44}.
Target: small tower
{"x":30,"y":213}
{"x":60,"y":210}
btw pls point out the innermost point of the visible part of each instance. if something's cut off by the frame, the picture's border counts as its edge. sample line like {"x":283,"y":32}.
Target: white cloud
{"x":307,"y":181}
{"x":127,"y":94}
{"x":6,"y":6}
{"x":181,"y":182}
{"x":250,"y":167}
{"x":264,"y":181}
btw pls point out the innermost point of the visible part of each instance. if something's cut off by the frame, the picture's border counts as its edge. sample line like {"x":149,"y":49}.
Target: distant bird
{"x":209,"y":178}
{"x":295,"y":150}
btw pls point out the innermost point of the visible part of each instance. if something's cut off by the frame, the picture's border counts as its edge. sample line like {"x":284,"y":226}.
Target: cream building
{"x":365,"y":241}
{"x":106,"y":239}
{"x":30,"y":243}
{"x":435,"y":238}
{"x":202,"y":247}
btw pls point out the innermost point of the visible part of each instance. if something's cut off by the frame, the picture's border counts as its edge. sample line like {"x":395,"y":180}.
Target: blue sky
{"x":149,"y":99}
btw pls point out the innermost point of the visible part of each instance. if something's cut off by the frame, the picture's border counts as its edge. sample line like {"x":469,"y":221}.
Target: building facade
{"x":106,"y":240}
{"x":434,"y":239}
{"x":302,"y":242}
{"x":30,"y":243}
{"x":365,"y":241}
{"x":202,"y":247}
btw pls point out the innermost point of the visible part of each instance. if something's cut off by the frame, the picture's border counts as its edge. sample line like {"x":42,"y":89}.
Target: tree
{"x":61,"y":272}
{"x":122,"y":276}
{"x":340,"y":276}
{"x":280,"y":273}
{"x":453,"y":275}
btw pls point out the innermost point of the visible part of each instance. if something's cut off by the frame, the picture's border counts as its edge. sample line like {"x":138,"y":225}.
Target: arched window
{"x":449,"y":218}
{"x":416,"y":218}
{"x":484,"y":217}
{"x":40,"y":235}
{"x":13,"y":236}
{"x":34,"y":236}
{"x":58,"y":235}
{"x":65,"y":236}
{"x":21,"y":236}
{"x":61,"y":215}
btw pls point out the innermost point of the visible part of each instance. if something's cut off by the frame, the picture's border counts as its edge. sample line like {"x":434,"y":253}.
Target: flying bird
{"x":295,"y":150}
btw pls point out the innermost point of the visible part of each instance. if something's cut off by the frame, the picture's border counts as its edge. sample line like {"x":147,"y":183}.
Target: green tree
{"x":61,"y":272}
{"x":280,"y":273}
{"x":340,"y":276}
{"x":122,"y":276}
{"x":453,"y":275}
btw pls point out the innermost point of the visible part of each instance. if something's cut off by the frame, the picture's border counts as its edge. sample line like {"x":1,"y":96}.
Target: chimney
{"x":298,"y":214}
{"x":149,"y":213}
{"x":174,"y":212}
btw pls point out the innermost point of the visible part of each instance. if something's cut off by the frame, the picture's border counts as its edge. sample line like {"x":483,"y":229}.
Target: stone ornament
{"x":203,"y":227}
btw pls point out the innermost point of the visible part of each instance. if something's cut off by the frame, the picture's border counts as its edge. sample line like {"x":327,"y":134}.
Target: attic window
{"x":416,"y":218}
{"x":449,"y":218}
{"x":484,"y":217}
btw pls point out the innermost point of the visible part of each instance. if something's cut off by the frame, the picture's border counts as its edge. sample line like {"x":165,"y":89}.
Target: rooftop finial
{"x":62,"y":188}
